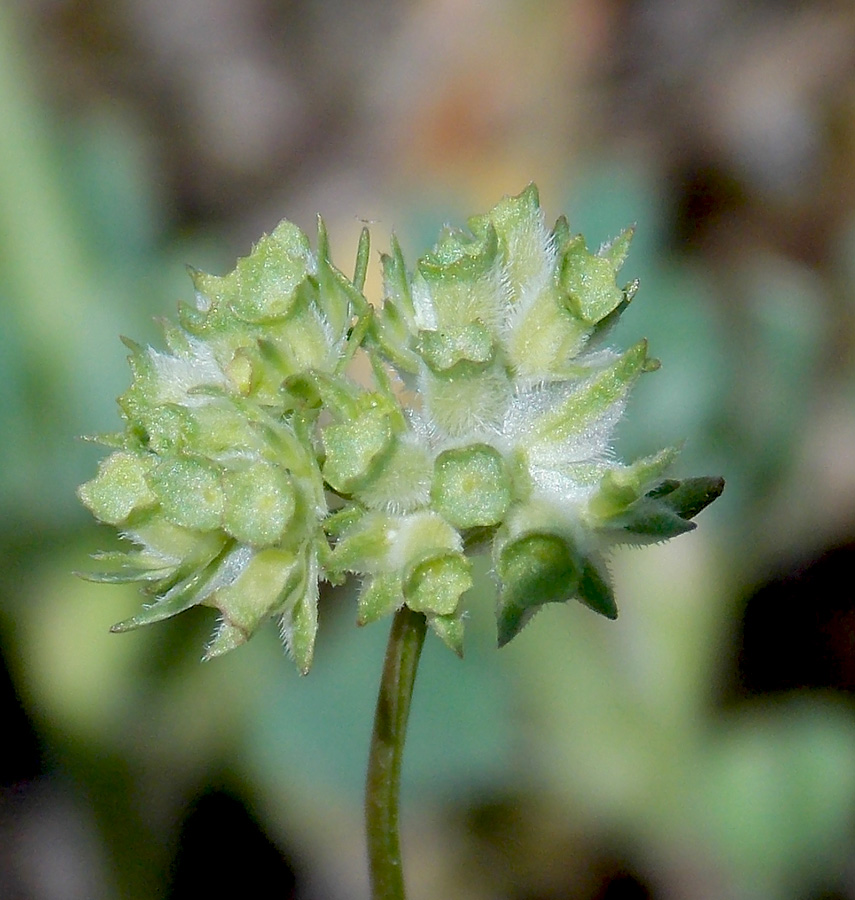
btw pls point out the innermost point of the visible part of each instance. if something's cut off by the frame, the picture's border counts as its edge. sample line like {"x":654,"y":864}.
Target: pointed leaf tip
{"x":692,"y":495}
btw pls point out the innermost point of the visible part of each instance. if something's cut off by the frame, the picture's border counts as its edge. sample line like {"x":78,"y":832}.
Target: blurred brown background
{"x":703,"y":746}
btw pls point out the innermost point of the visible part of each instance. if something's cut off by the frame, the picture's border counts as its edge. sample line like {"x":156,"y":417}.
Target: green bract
{"x":226,"y":473}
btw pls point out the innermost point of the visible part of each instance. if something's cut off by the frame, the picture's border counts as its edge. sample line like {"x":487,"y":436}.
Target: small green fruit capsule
{"x":471,"y":486}
{"x":190,"y":492}
{"x":259,"y":503}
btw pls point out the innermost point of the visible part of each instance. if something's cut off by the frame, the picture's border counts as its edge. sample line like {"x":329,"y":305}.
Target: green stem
{"x":382,"y":786}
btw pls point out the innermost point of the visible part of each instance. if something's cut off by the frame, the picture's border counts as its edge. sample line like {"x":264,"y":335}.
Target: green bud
{"x":534,"y":569}
{"x":435,"y":585}
{"x":688,"y":497}
{"x":589,"y":280}
{"x":622,"y":486}
{"x":665,"y":511}
{"x":538,"y":560}
{"x":261,"y":287}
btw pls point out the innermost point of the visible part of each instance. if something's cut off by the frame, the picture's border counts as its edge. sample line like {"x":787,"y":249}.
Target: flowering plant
{"x":252,"y":465}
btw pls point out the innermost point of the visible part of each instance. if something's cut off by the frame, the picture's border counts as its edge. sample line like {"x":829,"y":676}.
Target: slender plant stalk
{"x":383,"y":783}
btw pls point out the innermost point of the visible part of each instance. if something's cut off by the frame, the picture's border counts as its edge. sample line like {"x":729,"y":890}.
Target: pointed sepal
{"x":450,"y":631}
{"x":533,"y":570}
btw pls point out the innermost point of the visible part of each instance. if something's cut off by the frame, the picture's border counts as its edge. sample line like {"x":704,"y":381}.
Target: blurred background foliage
{"x":703,"y":746}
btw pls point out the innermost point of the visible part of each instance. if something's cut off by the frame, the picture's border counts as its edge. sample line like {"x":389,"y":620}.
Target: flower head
{"x":225,"y":474}
{"x":500,"y":329}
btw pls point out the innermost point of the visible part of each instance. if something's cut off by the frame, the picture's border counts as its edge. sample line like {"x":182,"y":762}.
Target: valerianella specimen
{"x":251,"y":466}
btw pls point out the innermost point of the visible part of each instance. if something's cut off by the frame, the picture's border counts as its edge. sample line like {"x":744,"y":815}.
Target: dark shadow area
{"x":526,"y":849}
{"x":21,"y":760}
{"x":624,"y":886}
{"x":223,"y":850}
{"x":798,"y":629}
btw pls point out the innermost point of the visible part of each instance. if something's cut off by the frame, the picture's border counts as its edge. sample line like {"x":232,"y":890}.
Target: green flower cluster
{"x":252,"y":466}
